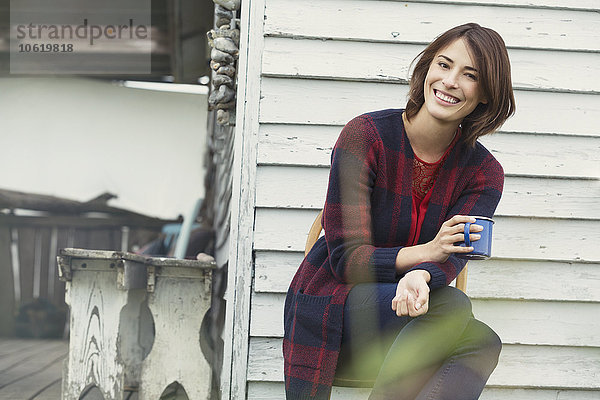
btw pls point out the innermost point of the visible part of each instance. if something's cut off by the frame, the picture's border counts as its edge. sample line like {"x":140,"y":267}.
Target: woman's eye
{"x":471,"y":76}
{"x":443,"y":64}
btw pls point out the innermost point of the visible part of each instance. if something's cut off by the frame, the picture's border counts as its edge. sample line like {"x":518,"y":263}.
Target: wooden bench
{"x":353,"y":389}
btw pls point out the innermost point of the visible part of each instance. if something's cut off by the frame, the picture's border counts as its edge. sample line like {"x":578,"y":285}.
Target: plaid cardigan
{"x":367,"y":219}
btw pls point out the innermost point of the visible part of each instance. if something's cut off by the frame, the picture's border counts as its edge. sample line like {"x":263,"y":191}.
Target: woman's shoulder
{"x":388,"y":116}
{"x":379,"y":126}
{"x":483,"y":158}
{"x":483,"y":152}
{"x":371,"y":126}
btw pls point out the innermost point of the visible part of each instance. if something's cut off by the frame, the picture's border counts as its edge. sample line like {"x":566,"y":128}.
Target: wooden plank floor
{"x":31,"y":369}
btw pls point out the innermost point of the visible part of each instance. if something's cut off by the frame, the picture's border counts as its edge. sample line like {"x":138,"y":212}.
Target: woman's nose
{"x":450,"y":81}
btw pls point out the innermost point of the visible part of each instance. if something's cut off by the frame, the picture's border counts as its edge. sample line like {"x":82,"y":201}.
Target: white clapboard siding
{"x":389,"y":21}
{"x":337,"y":59}
{"x":292,"y":144}
{"x":546,"y":155}
{"x":586,"y":5}
{"x":537,"y":394}
{"x":519,"y":154}
{"x":297,"y":187}
{"x":514,"y":237}
{"x":323,"y":62}
{"x":516,"y":322}
{"x":550,"y":366}
{"x":336,"y":102}
{"x":275,"y":391}
{"x":490,"y":279}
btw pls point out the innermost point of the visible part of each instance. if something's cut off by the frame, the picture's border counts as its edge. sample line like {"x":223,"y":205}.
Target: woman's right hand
{"x":412,"y":294}
{"x":452,"y":231}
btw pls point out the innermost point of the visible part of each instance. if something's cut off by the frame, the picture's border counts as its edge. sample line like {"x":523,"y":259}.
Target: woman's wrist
{"x":426,"y":275}
{"x":410,"y":256}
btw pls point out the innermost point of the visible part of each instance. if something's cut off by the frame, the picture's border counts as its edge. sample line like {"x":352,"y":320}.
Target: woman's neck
{"x":428,"y":138}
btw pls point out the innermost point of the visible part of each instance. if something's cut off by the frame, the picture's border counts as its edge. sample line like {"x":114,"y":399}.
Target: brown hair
{"x":489,"y":53}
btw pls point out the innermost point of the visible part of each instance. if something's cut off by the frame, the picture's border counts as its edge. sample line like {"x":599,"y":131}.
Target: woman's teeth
{"x":447,"y":99}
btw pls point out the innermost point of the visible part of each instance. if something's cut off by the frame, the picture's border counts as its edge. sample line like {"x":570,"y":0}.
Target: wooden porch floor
{"x":31,"y":369}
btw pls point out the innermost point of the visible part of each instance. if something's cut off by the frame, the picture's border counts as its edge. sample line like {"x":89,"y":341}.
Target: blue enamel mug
{"x":483,"y":246}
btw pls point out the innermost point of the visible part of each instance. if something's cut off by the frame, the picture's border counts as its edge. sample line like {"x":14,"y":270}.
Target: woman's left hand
{"x":412,"y":294}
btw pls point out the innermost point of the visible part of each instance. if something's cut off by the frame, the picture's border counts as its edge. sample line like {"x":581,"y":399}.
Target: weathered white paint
{"x":274,"y":270}
{"x":275,"y":391}
{"x":490,"y":279}
{"x":535,"y":280}
{"x":292,"y":144}
{"x":546,"y":227}
{"x":420,"y":23}
{"x":109,"y":331}
{"x":564,"y":367}
{"x":536,"y":394}
{"x":363,"y":61}
{"x":298,"y":187}
{"x":516,"y":322}
{"x":546,"y":155}
{"x":517,"y":238}
{"x":566,"y":113}
{"x":239,"y":279}
{"x":94,"y":353}
{"x":134,"y":338}
{"x":541,"y":322}
{"x":178,"y":304}
{"x":559,"y":4}
{"x":550,"y":366}
{"x":519,"y":154}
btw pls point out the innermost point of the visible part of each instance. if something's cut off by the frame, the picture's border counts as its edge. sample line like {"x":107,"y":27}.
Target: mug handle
{"x":467,"y":234}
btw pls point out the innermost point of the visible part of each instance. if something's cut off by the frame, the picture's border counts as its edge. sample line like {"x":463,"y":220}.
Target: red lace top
{"x":424,"y":176}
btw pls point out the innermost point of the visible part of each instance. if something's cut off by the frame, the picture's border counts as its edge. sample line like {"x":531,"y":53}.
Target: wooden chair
{"x":313,"y":235}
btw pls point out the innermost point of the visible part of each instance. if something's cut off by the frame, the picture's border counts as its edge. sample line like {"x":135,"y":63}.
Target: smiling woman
{"x":371,"y":300}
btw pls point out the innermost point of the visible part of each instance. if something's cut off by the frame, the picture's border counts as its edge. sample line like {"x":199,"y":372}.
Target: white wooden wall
{"x":312,"y":65}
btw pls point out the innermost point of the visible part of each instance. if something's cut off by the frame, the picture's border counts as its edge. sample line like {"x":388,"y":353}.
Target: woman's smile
{"x":445,"y":97}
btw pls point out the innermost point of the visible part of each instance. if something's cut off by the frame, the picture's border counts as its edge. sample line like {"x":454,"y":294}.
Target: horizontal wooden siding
{"x":325,"y":62}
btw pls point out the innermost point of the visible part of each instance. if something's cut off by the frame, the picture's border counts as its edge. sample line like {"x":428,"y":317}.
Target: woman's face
{"x":451,"y":88}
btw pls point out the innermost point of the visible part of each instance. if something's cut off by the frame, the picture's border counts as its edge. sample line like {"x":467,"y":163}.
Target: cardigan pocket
{"x":316,"y":329}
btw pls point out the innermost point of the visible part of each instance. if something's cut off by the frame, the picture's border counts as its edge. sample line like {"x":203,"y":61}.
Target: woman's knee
{"x":493,"y":344}
{"x":486,"y":342}
{"x":450,"y":301}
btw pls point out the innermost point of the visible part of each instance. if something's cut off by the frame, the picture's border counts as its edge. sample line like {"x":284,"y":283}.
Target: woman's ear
{"x":482,"y":97}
